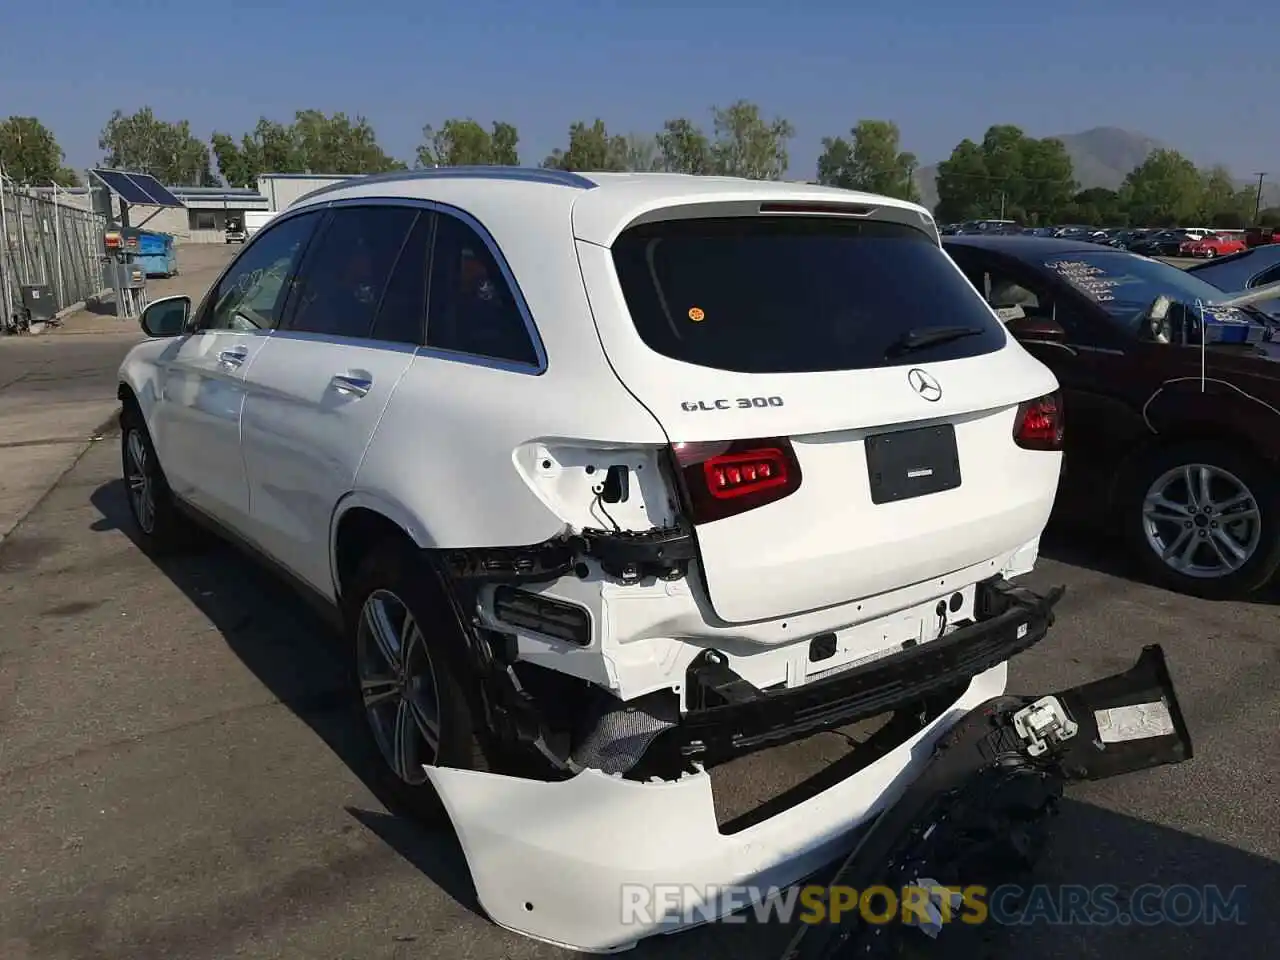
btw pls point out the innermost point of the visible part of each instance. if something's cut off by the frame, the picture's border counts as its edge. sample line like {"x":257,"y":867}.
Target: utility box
{"x":38,"y":302}
{"x":123,"y":276}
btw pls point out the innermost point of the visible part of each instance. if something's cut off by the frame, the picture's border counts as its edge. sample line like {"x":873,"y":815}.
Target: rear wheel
{"x":1204,"y":519}
{"x":407,"y":668}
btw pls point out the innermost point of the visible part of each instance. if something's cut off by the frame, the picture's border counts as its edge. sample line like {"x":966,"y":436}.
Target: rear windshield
{"x":797,"y":294}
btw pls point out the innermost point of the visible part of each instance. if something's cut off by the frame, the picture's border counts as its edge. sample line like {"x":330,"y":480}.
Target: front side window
{"x":343,"y":279}
{"x":472,"y":308}
{"x":797,"y":294}
{"x":252,"y":292}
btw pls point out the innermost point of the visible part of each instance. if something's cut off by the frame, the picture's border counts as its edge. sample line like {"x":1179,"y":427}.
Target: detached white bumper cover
{"x":550,"y":860}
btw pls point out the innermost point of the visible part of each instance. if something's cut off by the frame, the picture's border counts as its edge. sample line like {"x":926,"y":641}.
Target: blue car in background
{"x":1243,"y":271}
{"x":156,"y":254}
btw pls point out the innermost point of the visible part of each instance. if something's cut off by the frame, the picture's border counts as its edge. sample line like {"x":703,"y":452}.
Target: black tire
{"x":163,"y":529}
{"x":1260,"y":567}
{"x":396,"y":569}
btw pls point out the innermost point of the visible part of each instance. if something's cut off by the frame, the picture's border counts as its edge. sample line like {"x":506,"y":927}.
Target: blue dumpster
{"x":156,"y":254}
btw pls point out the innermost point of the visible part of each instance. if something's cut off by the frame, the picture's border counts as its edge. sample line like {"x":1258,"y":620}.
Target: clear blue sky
{"x":1202,"y":76}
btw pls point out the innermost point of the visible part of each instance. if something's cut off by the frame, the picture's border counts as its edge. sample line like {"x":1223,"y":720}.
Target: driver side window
{"x":251,"y":294}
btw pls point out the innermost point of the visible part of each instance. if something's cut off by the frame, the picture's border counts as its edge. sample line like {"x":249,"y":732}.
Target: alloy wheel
{"x":398,"y":686}
{"x":141,"y":485}
{"x":1202,"y":521}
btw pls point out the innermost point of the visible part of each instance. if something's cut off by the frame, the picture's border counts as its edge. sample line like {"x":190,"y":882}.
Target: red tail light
{"x":728,"y":477}
{"x":1039,"y":423}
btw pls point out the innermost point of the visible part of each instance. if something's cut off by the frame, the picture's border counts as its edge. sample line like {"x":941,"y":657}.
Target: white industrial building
{"x":282,"y":190}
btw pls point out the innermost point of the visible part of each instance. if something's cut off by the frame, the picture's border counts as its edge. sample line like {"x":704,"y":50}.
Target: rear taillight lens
{"x":724,"y":478}
{"x":1039,"y":423}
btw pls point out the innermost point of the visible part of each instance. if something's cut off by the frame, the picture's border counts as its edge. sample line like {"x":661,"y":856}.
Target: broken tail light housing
{"x":1039,"y":423}
{"x":723,"y":478}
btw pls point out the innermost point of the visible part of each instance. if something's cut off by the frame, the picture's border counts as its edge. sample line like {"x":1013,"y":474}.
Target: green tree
{"x":1046,"y":182}
{"x":339,"y":144}
{"x":963,"y":185}
{"x":1269,"y":217}
{"x":1164,"y":190}
{"x":748,"y":145}
{"x":313,"y":143}
{"x":1007,"y":173}
{"x":167,"y":150}
{"x":271,"y":147}
{"x":30,"y":154}
{"x":591,"y":148}
{"x":463,"y":142}
{"x":236,"y":165}
{"x":870,"y":160}
{"x":642,"y":153}
{"x":1223,"y":203}
{"x":1096,"y":206}
{"x":684,"y":148}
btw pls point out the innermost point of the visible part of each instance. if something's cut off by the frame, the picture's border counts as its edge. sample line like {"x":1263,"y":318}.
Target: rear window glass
{"x":793,"y":294}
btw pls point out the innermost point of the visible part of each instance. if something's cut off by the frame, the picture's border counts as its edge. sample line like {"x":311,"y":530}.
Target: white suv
{"x":614,"y":478}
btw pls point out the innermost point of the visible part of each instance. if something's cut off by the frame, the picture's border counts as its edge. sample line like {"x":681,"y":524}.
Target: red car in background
{"x":1214,"y":245}
{"x":1260,"y":236}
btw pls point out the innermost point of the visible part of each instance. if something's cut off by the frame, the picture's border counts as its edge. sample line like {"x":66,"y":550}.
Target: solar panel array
{"x":137,"y":188}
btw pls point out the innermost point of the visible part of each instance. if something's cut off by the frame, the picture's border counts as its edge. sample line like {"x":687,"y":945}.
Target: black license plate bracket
{"x":912,"y":463}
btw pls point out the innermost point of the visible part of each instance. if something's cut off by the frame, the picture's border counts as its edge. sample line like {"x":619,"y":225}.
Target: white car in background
{"x":611,"y":479}
{"x":255,"y":220}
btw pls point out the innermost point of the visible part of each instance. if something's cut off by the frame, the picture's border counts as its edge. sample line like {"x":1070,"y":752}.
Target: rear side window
{"x":343,"y":280}
{"x":793,"y":295}
{"x":402,"y":317}
{"x":472,"y":309}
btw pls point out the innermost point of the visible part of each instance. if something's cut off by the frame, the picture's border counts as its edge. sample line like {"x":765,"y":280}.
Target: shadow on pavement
{"x":297,"y":656}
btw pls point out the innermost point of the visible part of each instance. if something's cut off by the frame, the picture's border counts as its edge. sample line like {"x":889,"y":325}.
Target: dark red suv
{"x":1172,"y":435}
{"x":1259,"y":236}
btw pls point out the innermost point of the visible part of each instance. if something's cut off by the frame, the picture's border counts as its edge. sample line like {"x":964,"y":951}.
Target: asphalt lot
{"x":177,"y":778}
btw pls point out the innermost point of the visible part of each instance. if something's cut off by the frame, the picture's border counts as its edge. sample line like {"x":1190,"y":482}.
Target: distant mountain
{"x":1101,"y":157}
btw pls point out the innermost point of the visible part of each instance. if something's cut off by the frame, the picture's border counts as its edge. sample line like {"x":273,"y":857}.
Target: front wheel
{"x":161,"y":527}
{"x":1204,"y":519}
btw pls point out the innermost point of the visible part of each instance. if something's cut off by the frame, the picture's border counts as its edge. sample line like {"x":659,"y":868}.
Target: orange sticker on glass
{"x":696,"y":314}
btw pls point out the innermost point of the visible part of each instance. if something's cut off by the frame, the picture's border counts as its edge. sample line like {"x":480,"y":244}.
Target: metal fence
{"x":47,"y":240}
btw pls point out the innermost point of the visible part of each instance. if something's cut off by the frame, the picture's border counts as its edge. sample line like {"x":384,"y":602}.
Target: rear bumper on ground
{"x":552,"y":860}
{"x":556,"y":861}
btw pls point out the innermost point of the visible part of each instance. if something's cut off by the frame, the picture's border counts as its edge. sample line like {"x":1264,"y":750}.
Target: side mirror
{"x":167,"y":317}
{"x":1036,"y":328}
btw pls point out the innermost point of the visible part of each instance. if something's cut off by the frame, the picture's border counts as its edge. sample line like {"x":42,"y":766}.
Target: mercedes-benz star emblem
{"x":924,"y":384}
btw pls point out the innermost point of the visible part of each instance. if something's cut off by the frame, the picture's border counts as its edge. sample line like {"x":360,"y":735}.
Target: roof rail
{"x":562,"y":178}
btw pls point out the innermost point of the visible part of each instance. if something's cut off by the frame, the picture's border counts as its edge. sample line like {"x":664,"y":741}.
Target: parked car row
{"x":1198,"y":242}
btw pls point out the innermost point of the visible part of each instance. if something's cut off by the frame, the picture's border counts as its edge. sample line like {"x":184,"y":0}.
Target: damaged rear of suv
{"x":660,"y":472}
{"x":853,"y":461}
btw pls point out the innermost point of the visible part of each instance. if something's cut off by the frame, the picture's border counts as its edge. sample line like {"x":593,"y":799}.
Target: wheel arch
{"x":360,"y":521}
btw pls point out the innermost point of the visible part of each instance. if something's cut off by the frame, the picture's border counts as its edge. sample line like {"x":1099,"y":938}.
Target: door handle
{"x":358,"y":386}
{"x":233,"y":357}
